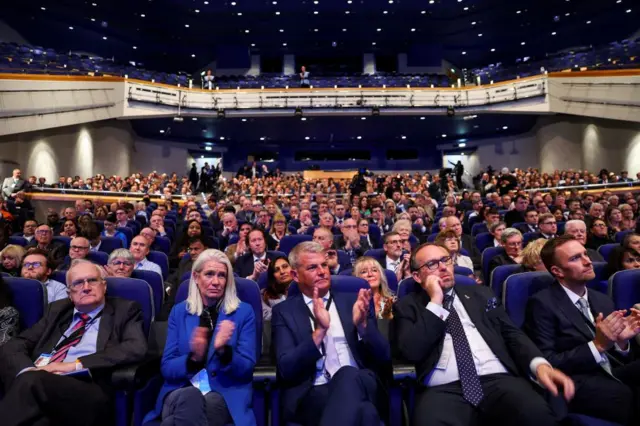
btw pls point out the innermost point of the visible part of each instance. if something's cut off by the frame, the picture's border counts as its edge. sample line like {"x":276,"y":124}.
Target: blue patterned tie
{"x":471,"y":388}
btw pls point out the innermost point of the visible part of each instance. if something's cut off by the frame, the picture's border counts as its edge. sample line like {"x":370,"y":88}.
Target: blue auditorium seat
{"x":375,"y":234}
{"x":65,"y":240}
{"x":600,"y":282}
{"x":517,"y":290}
{"x":619,"y":237}
{"x":606,"y":249}
{"x":344,"y":283}
{"x":20,"y":241}
{"x":288,"y":242}
{"x":479,"y":228}
{"x":487,"y":255}
{"x":128,"y":232}
{"x":160,"y":259}
{"x":109,"y":244}
{"x":29,"y":298}
{"x":499,"y":276}
{"x":137,"y":290}
{"x":378,"y":254}
{"x":483,"y":241}
{"x":409,"y":285}
{"x":98,"y":257}
{"x":527,"y":237}
{"x":392,"y":279}
{"x":432,"y":237}
{"x":162,"y":244}
{"x":624,"y":289}
{"x":461,"y":270}
{"x":60,"y":276}
{"x":157,"y":286}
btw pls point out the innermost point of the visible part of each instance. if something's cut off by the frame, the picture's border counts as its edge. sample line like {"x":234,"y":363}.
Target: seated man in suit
{"x":511,"y":240}
{"x":350,"y":240}
{"x":256,"y":261}
{"x":472,"y":362}
{"x":229,"y":230}
{"x":578,"y":229}
{"x":85,"y":331}
{"x":57,"y":250}
{"x":580,"y":332}
{"x":329,"y":352}
{"x":548,"y":227}
{"x":531,"y":221}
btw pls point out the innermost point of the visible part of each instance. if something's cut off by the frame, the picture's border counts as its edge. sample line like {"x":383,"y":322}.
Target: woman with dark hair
{"x":623,"y":258}
{"x":632,"y":240}
{"x":191,"y":228}
{"x":278,"y":280}
{"x":613,"y":216}
{"x":69,"y":228}
{"x":9,"y":326}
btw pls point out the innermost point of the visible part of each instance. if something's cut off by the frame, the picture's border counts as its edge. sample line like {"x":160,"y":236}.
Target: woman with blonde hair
{"x":11,"y":257}
{"x":277,"y":232}
{"x":531,"y":260}
{"x":211,"y":344}
{"x":371,"y":271}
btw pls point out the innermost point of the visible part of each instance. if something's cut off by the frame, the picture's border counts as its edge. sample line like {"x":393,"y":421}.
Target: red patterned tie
{"x":74,"y":338}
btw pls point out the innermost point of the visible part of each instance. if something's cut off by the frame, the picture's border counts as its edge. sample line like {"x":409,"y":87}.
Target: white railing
{"x":335,"y":98}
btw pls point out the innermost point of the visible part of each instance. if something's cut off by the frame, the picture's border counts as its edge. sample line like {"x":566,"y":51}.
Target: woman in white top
{"x":449,"y":240}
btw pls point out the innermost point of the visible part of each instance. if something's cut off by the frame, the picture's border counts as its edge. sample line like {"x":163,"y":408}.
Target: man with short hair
{"x":471,"y":361}
{"x":29,"y":230}
{"x":531,"y":221}
{"x":548,"y":227}
{"x":36,"y":266}
{"x":56,"y":250}
{"x":396,"y":259}
{"x":326,"y":221}
{"x":330,"y":355}
{"x":246,"y":214}
{"x":350,"y":240}
{"x":596,"y":211}
{"x":86,"y":330}
{"x":140,"y":249}
{"x":78,"y":249}
{"x":256,"y":261}
{"x":580,"y":332}
{"x":70,"y":213}
{"x":194,"y":215}
{"x":340,"y":215}
{"x":157,"y":224}
{"x":517,"y":214}
{"x":120,"y":264}
{"x":578,"y":230}
{"x":14,"y":184}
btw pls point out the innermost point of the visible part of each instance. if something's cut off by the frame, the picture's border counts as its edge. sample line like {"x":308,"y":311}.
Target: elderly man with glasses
{"x":78,"y":249}
{"x":85,"y":331}
{"x":578,"y":230}
{"x":56,"y":250}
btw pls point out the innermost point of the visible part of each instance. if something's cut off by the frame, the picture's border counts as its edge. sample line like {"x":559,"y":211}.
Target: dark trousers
{"x":41,"y":398}
{"x":187,"y":406}
{"x":508,"y":401}
{"x":348,"y":399}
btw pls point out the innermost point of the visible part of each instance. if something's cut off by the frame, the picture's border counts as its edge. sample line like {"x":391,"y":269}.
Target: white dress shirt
{"x":392,"y":265}
{"x":147,"y":265}
{"x":485,"y":361}
{"x":600,"y":358}
{"x":335,"y":343}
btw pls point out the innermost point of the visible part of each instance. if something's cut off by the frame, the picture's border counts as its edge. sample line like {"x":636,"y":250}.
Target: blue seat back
{"x":344,"y":259}
{"x":377,"y":254}
{"x":136,"y":290}
{"x":624,"y":289}
{"x":29,"y":298}
{"x":518,"y":288}
{"x":601,"y":281}
{"x":156,"y":283}
{"x":620,"y":236}
{"x":375,"y":235}
{"x":392,"y":279}
{"x":409,"y":285}
{"x":19,"y":241}
{"x":499,"y":275}
{"x":160,"y":259}
{"x":162,"y":244}
{"x":487,"y":255}
{"x":561,"y":227}
{"x":484,"y":240}
{"x":432,"y":237}
{"x":65,"y":240}
{"x":128,"y":232}
{"x":110,"y":244}
{"x":606,"y":249}
{"x":248,"y":292}
{"x":479,"y":228}
{"x":288,"y":242}
{"x":342,"y":283}
{"x":98,"y":257}
{"x":60,"y":276}
{"x":461,"y":270}
{"x":527,"y":237}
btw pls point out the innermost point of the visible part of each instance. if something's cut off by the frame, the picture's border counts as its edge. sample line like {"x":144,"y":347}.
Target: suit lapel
{"x":106,"y":326}
{"x":301,"y":315}
{"x":570,"y":311}
{"x":58,"y":329}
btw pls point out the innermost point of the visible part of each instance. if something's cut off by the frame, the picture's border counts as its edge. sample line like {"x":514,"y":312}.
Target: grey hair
{"x":77,"y":262}
{"x":120,"y":253}
{"x":305,"y":247}
{"x":495,"y":225}
{"x":229,"y":302}
{"x":508,"y":233}
{"x":384,"y":285}
{"x":400,"y":223}
{"x":572,"y":222}
{"x":594,"y":205}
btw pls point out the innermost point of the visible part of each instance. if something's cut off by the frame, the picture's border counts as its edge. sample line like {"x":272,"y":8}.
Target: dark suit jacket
{"x":469,"y":245}
{"x":243,"y":216}
{"x":538,"y":235}
{"x":525,"y":229}
{"x":499,"y":260}
{"x":296,"y":354}
{"x":121,"y":340}
{"x":557,"y":327}
{"x":512,"y":347}
{"x":244,"y":264}
{"x":57,"y":251}
{"x":513,"y":216}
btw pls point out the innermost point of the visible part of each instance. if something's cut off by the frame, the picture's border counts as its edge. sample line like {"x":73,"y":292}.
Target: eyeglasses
{"x":121,"y":262}
{"x":549,"y":223}
{"x":31,"y":265}
{"x":92,"y":281}
{"x":43,"y":232}
{"x":349,"y":226}
{"x":599,"y":225}
{"x":79,"y":248}
{"x":192,"y":249}
{"x":332,"y":253}
{"x":432,"y":265}
{"x":279,"y":222}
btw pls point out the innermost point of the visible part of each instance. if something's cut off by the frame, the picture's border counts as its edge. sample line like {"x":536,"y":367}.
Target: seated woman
{"x":623,"y":258}
{"x":628,"y":220}
{"x":9,"y":325}
{"x":277,"y":232}
{"x":613,"y":217}
{"x":11,"y":257}
{"x":363,"y":231}
{"x":191,"y":228}
{"x":511,"y":240}
{"x":371,"y":271}
{"x":496,"y":229}
{"x":598,"y":235}
{"x":278,"y":280}
{"x":210,"y":346}
{"x":355,"y":213}
{"x":449,"y":240}
{"x":632,"y":240}
{"x":69,"y":229}
{"x":531,"y":260}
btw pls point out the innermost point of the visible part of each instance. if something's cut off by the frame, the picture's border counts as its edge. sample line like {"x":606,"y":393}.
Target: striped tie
{"x":74,"y":338}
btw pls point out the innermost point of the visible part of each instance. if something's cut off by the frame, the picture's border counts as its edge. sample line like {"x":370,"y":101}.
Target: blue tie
{"x":471,"y":388}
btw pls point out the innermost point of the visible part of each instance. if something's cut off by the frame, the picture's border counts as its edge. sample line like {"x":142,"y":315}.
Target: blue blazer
{"x":233,"y":381}
{"x":296,"y":354}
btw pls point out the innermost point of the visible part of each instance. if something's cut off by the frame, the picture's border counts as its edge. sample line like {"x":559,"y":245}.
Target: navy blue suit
{"x":296,"y":356}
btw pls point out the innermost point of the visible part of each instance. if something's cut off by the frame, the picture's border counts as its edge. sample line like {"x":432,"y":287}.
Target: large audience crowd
{"x":282,"y":231}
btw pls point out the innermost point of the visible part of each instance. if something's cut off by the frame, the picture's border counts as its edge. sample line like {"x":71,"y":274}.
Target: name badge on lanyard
{"x":43,"y":360}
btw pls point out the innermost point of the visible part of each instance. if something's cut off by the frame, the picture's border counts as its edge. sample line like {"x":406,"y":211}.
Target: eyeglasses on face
{"x":121,"y":262}
{"x":432,"y":265}
{"x":79,"y":283}
{"x":78,"y":248}
{"x":32,"y":265}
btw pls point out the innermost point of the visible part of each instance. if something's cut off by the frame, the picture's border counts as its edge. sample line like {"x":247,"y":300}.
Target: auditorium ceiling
{"x":179,"y":35}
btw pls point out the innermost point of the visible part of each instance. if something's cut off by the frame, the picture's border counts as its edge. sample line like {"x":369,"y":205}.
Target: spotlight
{"x":298,"y":112}
{"x":375,"y":111}
{"x":221,"y":113}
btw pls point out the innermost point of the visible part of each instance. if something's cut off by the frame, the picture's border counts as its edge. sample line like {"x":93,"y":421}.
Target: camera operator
{"x":359,"y":182}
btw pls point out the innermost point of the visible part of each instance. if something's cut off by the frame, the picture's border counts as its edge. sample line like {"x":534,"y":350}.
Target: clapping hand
{"x":608,"y":330}
{"x":223,"y":334}
{"x":631,"y":329}
{"x":361,"y":308}
{"x":199,"y":343}
{"x":323,"y":320}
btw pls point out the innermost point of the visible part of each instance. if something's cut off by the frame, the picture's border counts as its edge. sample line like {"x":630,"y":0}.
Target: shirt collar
{"x":574,"y":297}
{"x":390,"y":260}
{"x":308,"y":301}
{"x":263,"y":257}
{"x":91,"y":314}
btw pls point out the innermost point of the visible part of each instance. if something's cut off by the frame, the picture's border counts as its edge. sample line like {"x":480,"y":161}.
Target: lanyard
{"x":77,"y":332}
{"x":315,"y":323}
